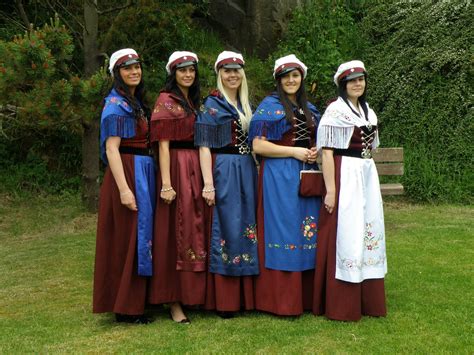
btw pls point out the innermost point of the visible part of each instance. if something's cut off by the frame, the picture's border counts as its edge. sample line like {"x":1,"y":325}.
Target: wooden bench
{"x":389,"y":161}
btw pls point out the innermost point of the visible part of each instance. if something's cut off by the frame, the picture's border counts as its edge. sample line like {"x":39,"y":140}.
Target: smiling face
{"x":185,"y":77}
{"x":231,"y":78}
{"x":291,"y":82}
{"x":355,"y":88}
{"x":131,"y":75}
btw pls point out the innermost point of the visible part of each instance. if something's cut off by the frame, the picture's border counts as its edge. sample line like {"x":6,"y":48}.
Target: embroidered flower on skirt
{"x":309,"y":227}
{"x":235,"y":259}
{"x":251,"y":233}
{"x":192,"y":255}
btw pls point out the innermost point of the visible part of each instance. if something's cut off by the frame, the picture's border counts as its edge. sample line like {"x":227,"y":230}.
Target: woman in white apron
{"x":351,"y":260}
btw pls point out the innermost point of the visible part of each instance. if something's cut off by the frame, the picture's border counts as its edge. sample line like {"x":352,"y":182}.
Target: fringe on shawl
{"x":271,"y":130}
{"x":172,"y":129}
{"x":213,"y":136}
{"x":115,"y":126}
{"x":334,"y":137}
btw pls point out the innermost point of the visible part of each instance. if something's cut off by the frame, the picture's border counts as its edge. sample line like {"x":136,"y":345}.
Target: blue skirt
{"x":290,"y":221}
{"x":233,"y":249}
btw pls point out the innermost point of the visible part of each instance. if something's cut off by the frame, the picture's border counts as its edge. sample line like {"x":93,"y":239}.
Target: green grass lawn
{"x":47,"y":250}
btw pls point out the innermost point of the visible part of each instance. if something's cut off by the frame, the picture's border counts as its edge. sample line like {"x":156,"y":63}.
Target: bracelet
{"x":166,"y":190}
{"x":209,"y":190}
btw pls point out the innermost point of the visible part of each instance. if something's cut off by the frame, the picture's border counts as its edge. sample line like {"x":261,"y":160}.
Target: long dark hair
{"x":194,"y":94}
{"x":137,"y":101}
{"x":301,"y":100}
{"x":342,"y":92}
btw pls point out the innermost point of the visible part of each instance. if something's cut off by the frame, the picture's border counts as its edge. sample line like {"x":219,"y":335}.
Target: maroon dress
{"x":286,"y":293}
{"x":181,"y":228}
{"x":334,"y":298}
{"x":117,"y":286}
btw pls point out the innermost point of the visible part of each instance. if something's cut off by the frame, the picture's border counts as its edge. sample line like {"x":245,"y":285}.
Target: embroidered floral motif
{"x":262,"y":112}
{"x":116,"y":100}
{"x":292,"y":247}
{"x":167,"y":105}
{"x":349,"y":264}
{"x":236,"y":259}
{"x":251,"y":233}
{"x":193,"y":256}
{"x":371,"y":241}
{"x":309,"y":227}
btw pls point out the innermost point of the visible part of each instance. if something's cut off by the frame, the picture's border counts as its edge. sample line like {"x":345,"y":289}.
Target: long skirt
{"x":233,"y":238}
{"x":281,"y":292}
{"x":341,"y":300}
{"x":124,"y":240}
{"x":180,"y":243}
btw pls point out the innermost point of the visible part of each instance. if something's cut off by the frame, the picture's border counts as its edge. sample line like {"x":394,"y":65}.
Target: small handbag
{"x":311,"y":183}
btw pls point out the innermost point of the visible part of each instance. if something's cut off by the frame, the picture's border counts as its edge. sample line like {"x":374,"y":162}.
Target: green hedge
{"x":420,"y":66}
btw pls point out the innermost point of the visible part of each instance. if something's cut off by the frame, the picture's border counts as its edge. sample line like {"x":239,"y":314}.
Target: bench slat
{"x":391,"y":189}
{"x":388,"y":155}
{"x":390,"y":169}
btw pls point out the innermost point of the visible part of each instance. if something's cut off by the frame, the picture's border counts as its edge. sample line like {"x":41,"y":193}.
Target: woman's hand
{"x":302,"y":154}
{"x":127,"y":198}
{"x":209,"y":195}
{"x":330,"y":201}
{"x":167,"y":194}
{"x":313,"y":155}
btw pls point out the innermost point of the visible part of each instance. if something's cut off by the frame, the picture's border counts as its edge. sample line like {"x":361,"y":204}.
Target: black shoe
{"x":225,"y":314}
{"x":126,"y":318}
{"x":182,"y":321}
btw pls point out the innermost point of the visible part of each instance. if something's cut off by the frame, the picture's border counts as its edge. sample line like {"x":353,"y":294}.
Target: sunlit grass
{"x":47,"y":249}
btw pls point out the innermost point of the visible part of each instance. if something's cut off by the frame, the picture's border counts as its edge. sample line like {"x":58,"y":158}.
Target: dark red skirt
{"x":334,"y":298}
{"x":283,"y":293}
{"x":180,"y":230}
{"x":229,"y":293}
{"x":117,"y":286}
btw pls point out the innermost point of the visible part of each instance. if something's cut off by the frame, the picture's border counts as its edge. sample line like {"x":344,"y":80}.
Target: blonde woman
{"x":230,"y":183}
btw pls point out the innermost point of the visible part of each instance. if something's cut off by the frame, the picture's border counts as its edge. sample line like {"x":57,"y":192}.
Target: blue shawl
{"x":213,"y":127}
{"x":117,"y":120}
{"x":269,"y":119}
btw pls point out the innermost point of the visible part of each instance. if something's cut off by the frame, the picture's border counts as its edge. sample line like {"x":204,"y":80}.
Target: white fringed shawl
{"x":337,"y":125}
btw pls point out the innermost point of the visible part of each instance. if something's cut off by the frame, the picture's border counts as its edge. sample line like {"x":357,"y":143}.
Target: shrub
{"x":420,"y":76}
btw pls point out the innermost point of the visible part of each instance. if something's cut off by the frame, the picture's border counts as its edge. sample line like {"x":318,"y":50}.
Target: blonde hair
{"x":243,"y":94}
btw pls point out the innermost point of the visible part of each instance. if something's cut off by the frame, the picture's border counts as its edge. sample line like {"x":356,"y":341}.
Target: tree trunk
{"x":90,"y":138}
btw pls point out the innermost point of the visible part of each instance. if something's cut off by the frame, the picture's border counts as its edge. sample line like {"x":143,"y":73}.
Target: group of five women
{"x":218,"y":222}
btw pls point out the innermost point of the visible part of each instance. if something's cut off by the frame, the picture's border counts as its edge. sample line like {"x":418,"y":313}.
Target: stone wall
{"x":253,"y":26}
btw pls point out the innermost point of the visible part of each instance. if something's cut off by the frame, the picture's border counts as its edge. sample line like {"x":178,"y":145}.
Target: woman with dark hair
{"x":180,"y":248}
{"x":127,"y":195}
{"x":230,"y":183}
{"x":351,"y":258}
{"x":282,"y":132}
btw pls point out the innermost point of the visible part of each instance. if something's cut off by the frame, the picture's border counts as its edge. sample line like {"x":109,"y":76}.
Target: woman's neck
{"x":354,"y":102}
{"x":185,"y":91}
{"x":232,"y":95}
{"x":292,"y":99}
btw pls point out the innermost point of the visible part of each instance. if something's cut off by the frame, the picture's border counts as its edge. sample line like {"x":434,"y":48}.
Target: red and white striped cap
{"x":349,"y":70}
{"x":180,"y":59}
{"x":288,"y":63}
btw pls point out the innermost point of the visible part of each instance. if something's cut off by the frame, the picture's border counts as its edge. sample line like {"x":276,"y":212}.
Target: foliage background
{"x":418,"y":55}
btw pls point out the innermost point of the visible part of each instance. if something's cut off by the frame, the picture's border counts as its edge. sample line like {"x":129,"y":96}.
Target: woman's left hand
{"x":209,"y":195}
